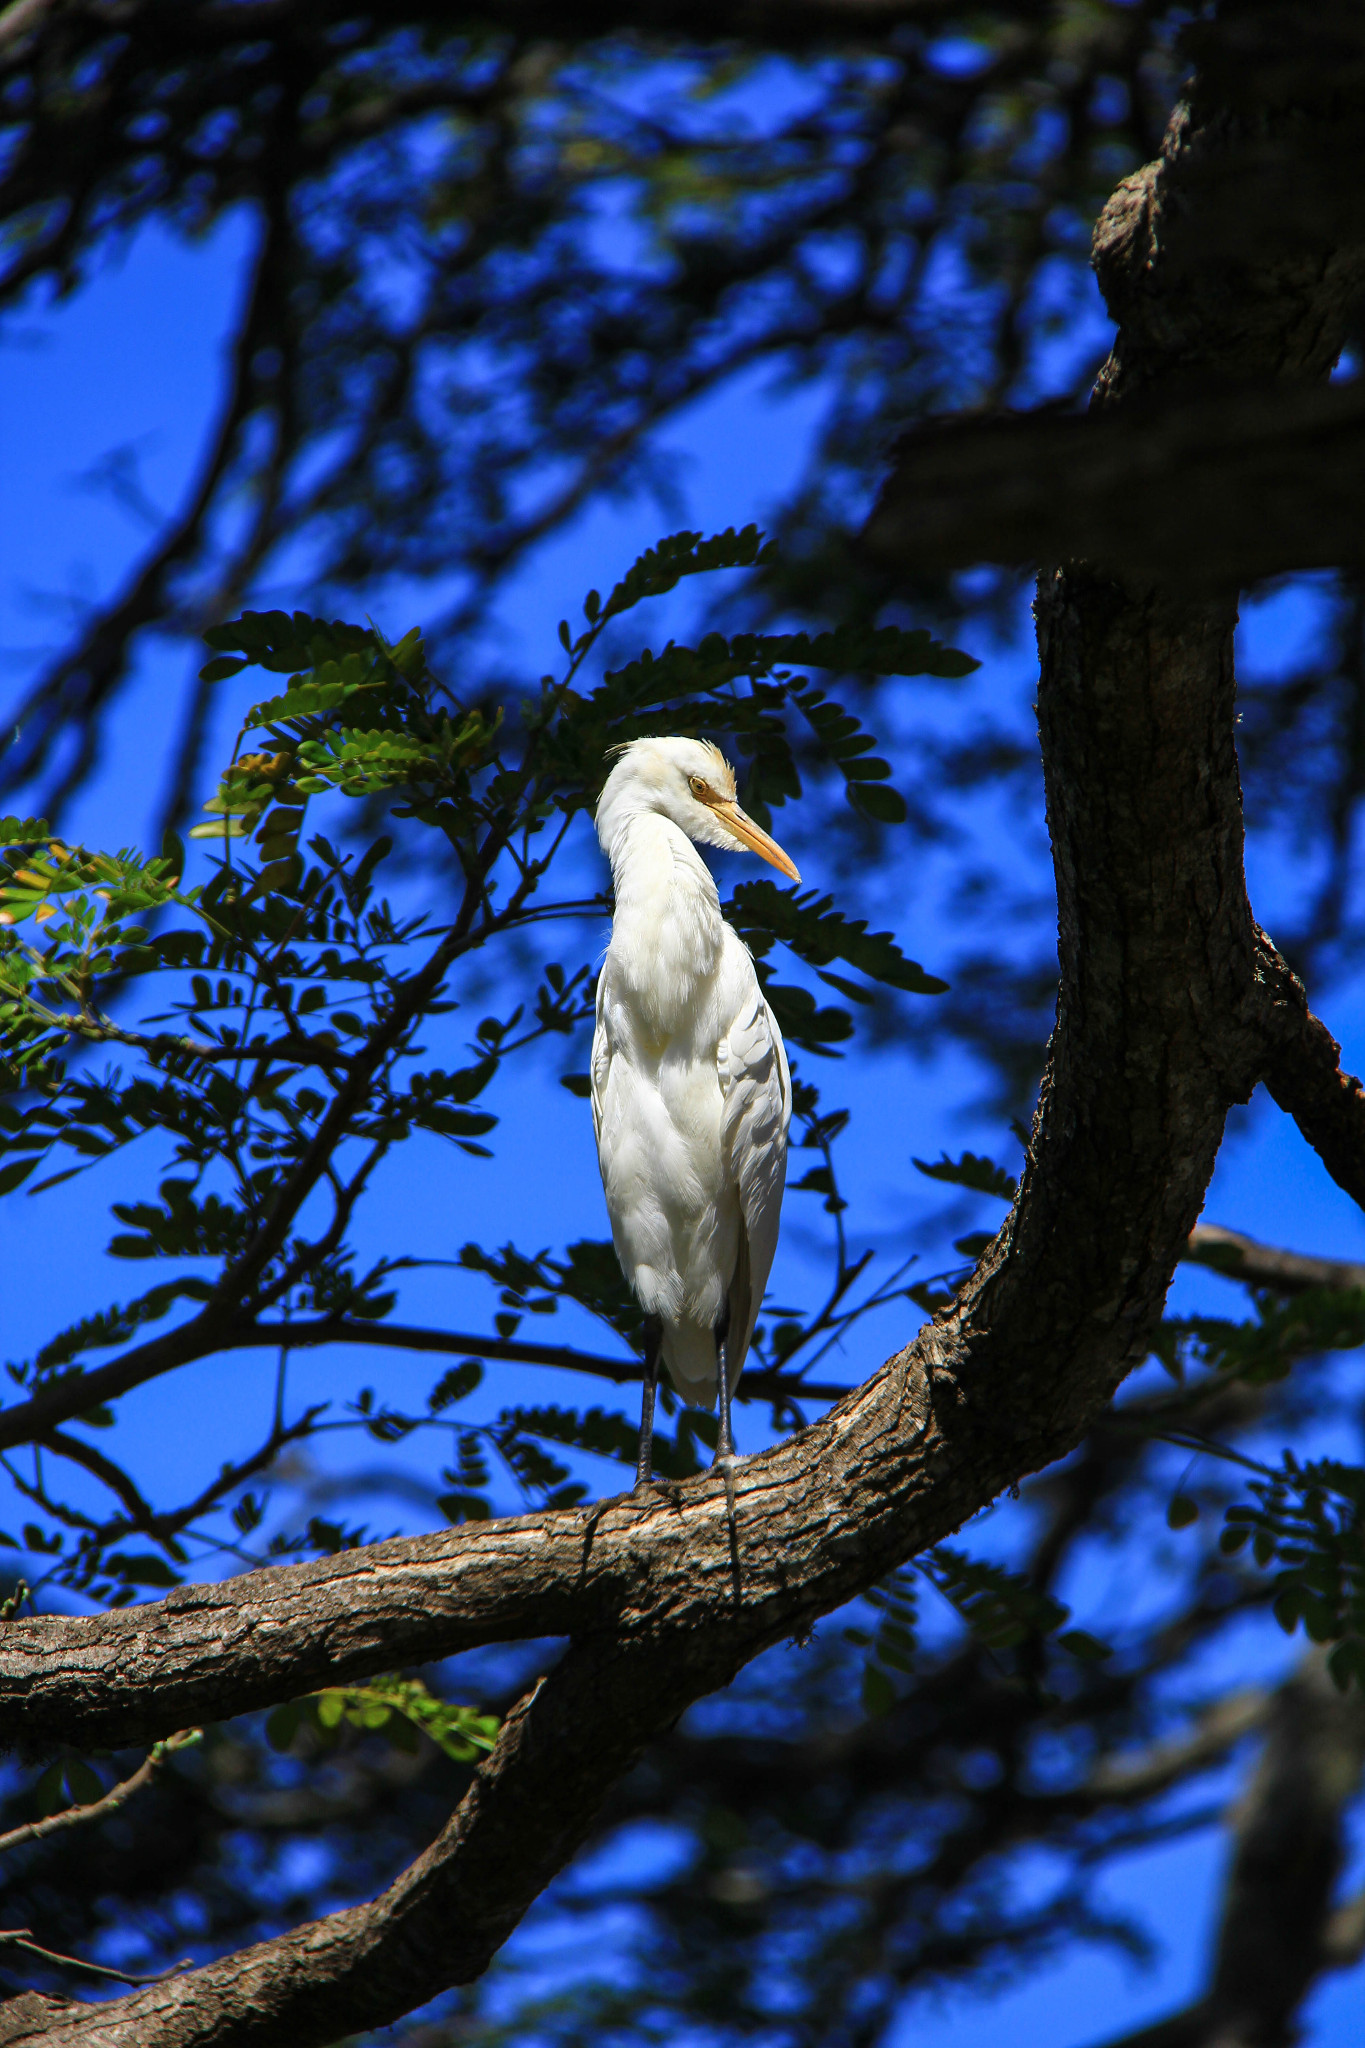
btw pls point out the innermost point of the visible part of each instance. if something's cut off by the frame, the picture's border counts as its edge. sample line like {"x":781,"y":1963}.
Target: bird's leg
{"x":725,"y":1444}
{"x":644,"y":1470}
{"x":725,"y":1441}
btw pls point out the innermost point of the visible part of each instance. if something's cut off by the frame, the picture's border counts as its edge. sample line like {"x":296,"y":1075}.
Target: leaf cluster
{"x":403,"y":1708}
{"x":1002,"y":1609}
{"x":1308,"y":1521}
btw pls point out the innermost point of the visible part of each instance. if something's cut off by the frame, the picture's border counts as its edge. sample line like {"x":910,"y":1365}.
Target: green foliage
{"x":279,"y":1022}
{"x":1003,"y":1610}
{"x":1317,"y":1320}
{"x":68,"y":1781}
{"x":999,"y":1606}
{"x":981,"y":1175}
{"x":71,"y":1780}
{"x":810,"y":927}
{"x":892,"y":1645}
{"x":818,"y":933}
{"x":588,"y":1274}
{"x":1308,"y":1520}
{"x":1305,"y":1519}
{"x":402,"y":1707}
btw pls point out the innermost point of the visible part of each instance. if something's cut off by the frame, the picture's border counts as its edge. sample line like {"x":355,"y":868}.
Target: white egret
{"x":691,"y":1096}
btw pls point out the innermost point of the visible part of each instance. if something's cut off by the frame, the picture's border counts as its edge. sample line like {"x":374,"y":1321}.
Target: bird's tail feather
{"x":689,"y":1353}
{"x":739,"y":1319}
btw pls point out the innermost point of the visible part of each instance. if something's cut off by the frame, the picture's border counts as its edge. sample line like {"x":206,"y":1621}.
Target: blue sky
{"x":132,"y":364}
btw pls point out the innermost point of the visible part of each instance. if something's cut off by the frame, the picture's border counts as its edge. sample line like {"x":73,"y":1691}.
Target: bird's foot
{"x":725,"y":1463}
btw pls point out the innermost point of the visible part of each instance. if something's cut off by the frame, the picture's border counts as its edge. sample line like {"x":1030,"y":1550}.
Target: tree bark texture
{"x":1171,"y":1005}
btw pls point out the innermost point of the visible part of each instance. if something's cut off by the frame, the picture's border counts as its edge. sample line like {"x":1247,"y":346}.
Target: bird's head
{"x":691,"y":783}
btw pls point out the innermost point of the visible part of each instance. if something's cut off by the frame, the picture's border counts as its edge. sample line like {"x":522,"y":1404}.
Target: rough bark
{"x":1304,"y":1076}
{"x":1166,"y":1015}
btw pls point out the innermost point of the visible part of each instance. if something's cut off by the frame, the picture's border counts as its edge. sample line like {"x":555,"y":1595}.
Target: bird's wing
{"x":600,"y":1064}
{"x":758,"y":1103}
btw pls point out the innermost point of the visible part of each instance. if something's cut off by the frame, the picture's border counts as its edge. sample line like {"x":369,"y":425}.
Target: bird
{"x":690,"y":1088}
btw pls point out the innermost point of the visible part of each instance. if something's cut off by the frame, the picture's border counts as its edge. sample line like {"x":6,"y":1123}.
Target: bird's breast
{"x":664,"y":960}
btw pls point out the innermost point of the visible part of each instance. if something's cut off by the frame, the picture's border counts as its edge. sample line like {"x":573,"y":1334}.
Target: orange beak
{"x":753,"y":836}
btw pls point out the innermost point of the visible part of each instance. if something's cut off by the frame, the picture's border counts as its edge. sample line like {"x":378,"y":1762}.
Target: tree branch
{"x":756,"y":1385}
{"x":1203,"y":486}
{"x":114,"y":1798}
{"x":1264,"y":1265}
{"x":1304,"y":1076}
{"x":67,"y":1396}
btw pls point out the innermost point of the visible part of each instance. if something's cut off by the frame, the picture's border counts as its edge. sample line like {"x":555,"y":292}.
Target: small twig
{"x":21,"y":1937}
{"x":76,"y":1816}
{"x":10,"y":1607}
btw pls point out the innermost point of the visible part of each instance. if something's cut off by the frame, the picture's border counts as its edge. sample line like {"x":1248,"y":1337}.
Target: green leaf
{"x":884,"y":650}
{"x":141,"y":1568}
{"x":974,"y":1243}
{"x":879,"y":1694}
{"x":456,"y":1384}
{"x":82,"y":1783}
{"x":660,"y":568}
{"x":884,"y":806}
{"x":462,"y":1732}
{"x":48,"y":1794}
{"x":1001,"y":1607}
{"x":818,"y":933}
{"x":283,"y":1725}
{"x":1079,"y":1643}
{"x":973,"y":1171}
{"x":23,"y":831}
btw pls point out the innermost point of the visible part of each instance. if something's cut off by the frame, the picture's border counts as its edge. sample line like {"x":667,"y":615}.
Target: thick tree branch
{"x":1204,"y":486}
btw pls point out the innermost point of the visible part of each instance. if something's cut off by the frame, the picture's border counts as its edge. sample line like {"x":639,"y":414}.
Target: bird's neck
{"x":667,"y":933}
{"x":650,"y":854}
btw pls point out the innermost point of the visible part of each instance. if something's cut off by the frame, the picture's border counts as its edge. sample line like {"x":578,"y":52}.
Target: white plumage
{"x":691,"y":1096}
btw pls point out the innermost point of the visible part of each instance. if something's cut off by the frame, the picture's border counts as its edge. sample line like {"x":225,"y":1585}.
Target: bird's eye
{"x":698,"y":784}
